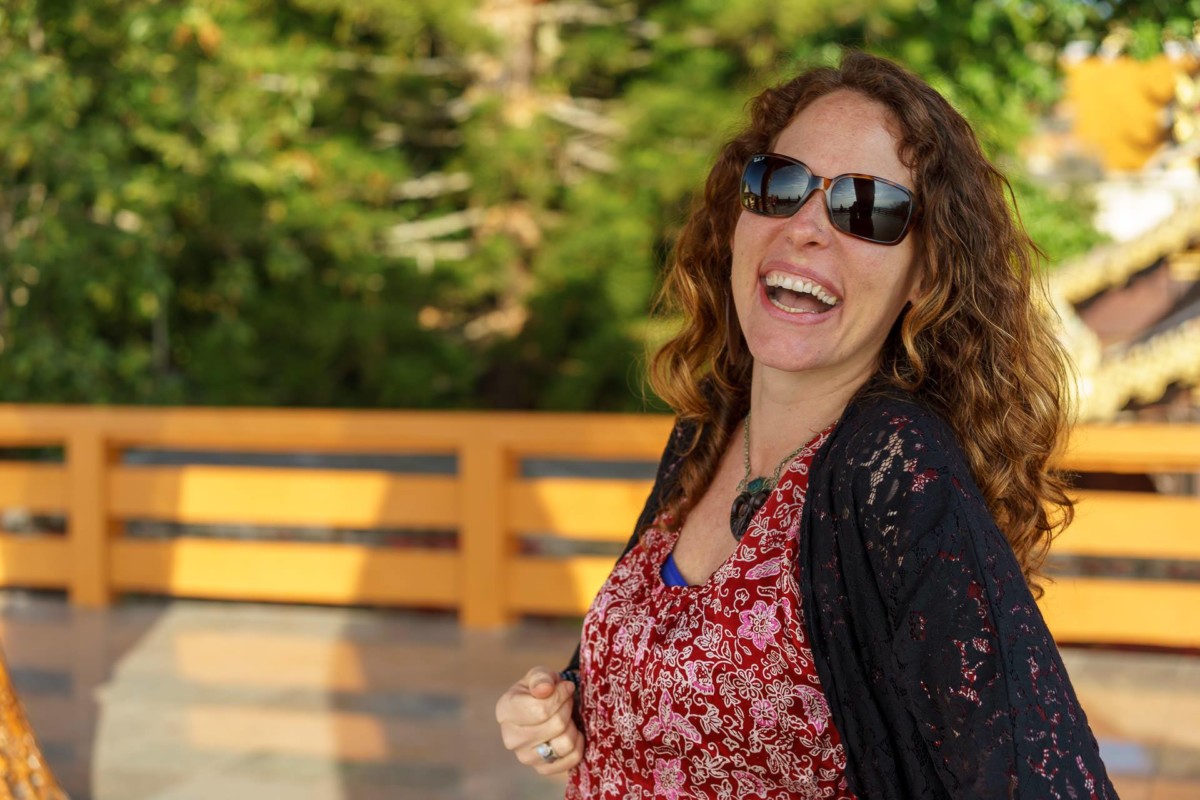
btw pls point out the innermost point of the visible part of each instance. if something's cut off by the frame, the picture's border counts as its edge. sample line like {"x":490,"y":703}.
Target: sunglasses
{"x":861,"y":206}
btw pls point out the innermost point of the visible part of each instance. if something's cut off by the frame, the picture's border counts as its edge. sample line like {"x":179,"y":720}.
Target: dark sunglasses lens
{"x":869,"y":209}
{"x":774,"y":187}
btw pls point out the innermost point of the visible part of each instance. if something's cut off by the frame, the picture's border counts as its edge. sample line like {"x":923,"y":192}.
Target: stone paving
{"x":158,"y":700}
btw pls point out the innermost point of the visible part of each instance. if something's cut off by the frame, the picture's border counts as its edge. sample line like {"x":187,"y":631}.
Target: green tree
{"x":197,"y":197}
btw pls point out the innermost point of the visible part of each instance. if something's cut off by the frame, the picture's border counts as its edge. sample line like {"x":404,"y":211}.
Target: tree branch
{"x":425,"y":229}
{"x":435,"y":184}
{"x":576,"y":116}
{"x":583,"y":154}
{"x":586,"y":13}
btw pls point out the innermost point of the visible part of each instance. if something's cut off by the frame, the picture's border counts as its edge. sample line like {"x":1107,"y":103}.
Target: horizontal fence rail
{"x":494,"y":538}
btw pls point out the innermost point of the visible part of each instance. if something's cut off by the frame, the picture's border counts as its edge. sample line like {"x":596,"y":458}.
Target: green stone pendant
{"x":758,"y":484}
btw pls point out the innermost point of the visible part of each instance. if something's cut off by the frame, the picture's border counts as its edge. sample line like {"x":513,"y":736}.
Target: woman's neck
{"x":788,"y":409}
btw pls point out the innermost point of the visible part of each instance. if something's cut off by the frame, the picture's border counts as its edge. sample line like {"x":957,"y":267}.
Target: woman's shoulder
{"x":899,"y":474}
{"x":894,"y":430}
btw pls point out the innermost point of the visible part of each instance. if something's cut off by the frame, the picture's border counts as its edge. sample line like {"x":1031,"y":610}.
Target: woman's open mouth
{"x":795,"y":295}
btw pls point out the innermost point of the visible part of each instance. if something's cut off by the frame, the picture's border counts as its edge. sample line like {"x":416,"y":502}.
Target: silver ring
{"x":546,"y":752}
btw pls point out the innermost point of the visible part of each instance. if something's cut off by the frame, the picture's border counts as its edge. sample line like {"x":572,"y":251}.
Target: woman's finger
{"x":518,"y":737}
{"x":553,"y":755}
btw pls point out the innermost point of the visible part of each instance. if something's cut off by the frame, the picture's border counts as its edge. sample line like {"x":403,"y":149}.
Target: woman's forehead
{"x":845,"y":132}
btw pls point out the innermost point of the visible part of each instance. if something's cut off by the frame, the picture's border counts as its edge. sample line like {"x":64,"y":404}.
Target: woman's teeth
{"x":798,"y":296}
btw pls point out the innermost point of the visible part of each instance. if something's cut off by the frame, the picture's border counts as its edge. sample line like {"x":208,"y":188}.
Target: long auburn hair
{"x":977,"y":346}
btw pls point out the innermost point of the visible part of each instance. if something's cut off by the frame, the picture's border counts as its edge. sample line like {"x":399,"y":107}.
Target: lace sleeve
{"x":968,"y":655}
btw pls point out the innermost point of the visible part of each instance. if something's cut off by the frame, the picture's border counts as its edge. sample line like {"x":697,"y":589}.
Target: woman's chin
{"x":779,"y":359}
{"x":812,"y":364}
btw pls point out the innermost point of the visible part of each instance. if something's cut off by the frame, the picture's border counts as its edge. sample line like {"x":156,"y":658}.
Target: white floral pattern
{"x":708,"y":691}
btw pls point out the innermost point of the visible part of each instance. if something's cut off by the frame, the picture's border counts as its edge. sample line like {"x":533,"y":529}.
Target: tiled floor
{"x":196,"y":701}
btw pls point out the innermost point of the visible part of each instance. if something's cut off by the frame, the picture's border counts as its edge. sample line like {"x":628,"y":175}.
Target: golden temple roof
{"x":1112,"y":264}
{"x":1142,"y":371}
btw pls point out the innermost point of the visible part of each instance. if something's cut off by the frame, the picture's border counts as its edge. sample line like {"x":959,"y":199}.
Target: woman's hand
{"x":536,"y":711}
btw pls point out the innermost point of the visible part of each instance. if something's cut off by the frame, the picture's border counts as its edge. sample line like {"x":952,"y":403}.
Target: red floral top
{"x":708,"y":691}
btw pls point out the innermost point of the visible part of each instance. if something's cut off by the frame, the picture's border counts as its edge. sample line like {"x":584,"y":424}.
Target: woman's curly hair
{"x":977,"y":346}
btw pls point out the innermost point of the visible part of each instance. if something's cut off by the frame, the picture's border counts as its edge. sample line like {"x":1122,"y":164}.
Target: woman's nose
{"x":810,"y":223}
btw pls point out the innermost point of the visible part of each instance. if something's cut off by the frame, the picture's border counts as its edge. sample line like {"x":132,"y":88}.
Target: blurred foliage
{"x":194,"y":197}
{"x":420,"y":204}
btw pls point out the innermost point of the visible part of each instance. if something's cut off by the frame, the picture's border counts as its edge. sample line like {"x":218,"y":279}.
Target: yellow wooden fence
{"x":487,"y":501}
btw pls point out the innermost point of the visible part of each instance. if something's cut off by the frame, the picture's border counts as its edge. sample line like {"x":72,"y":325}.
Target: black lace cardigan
{"x":941,"y":676}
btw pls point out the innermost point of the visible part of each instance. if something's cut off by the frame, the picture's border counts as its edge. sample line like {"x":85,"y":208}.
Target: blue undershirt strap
{"x":671,"y":575}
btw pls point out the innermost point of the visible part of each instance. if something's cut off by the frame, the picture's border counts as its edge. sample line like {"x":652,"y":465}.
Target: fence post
{"x":88,"y":528}
{"x":484,"y":543}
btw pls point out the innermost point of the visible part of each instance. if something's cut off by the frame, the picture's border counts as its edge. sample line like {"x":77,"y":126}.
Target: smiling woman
{"x":815,"y":341}
{"x":830,"y":591}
